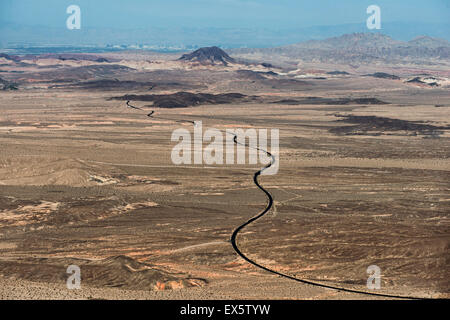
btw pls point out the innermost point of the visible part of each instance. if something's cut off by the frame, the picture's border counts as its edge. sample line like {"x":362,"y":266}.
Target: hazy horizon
{"x":226,"y":23}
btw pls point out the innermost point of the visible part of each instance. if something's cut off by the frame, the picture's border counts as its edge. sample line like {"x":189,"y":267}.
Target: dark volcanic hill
{"x":187,"y":99}
{"x":208,"y":55}
{"x":383,"y":75}
{"x":373,"y":125}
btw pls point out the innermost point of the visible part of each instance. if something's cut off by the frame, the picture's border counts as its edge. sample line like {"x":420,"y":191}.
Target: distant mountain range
{"x":371,"y":41}
{"x":361,"y":48}
{"x":191,"y":37}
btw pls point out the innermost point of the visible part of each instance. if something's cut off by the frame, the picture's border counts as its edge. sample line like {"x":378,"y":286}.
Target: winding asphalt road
{"x":267,"y":209}
{"x":150,"y":115}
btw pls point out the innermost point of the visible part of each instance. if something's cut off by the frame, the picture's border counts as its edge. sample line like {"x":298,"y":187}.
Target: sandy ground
{"x":85,"y":180}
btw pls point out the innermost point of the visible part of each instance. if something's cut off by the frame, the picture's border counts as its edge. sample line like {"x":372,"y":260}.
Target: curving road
{"x":150,"y":115}
{"x":235,"y":233}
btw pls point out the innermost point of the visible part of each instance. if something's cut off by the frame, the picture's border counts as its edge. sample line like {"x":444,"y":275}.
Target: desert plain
{"x":363,"y":180}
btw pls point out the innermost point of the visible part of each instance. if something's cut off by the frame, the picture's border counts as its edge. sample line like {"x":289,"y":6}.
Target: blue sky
{"x":220,"y":13}
{"x":227,"y":23}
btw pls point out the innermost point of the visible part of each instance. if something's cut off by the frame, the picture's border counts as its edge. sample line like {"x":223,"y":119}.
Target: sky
{"x":279,"y":14}
{"x":226,"y":23}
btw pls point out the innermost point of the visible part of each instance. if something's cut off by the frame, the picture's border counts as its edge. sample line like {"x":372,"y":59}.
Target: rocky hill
{"x":208,"y":55}
{"x":362,"y":48}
